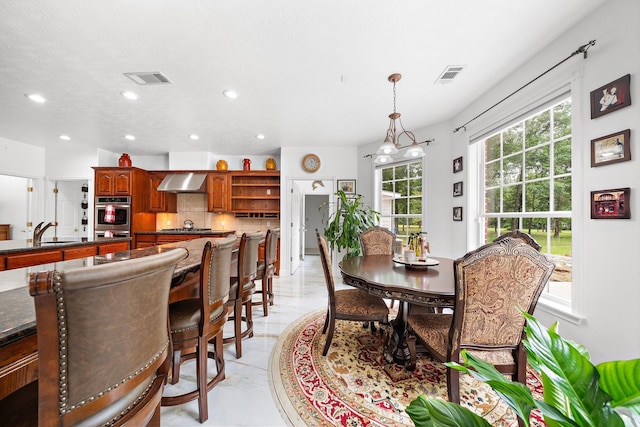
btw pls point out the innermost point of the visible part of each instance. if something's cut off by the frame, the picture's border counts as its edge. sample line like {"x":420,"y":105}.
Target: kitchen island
{"x":23,"y":253}
{"x":18,"y":340}
{"x":154,"y":238}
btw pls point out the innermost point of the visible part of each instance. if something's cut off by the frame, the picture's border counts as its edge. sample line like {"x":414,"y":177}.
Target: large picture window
{"x":400,"y":198}
{"x":526,"y":184}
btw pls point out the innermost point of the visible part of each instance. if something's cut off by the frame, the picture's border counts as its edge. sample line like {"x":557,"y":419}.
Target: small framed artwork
{"x":611,"y":148}
{"x":611,"y":204}
{"x":347,"y":185}
{"x":457,"y":164}
{"x":457,"y":189}
{"x":611,"y":97}
{"x":457,"y":213}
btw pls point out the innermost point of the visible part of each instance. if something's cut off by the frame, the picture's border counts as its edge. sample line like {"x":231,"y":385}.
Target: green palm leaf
{"x":435,"y":412}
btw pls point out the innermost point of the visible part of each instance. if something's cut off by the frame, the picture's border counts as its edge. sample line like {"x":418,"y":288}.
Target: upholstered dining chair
{"x":492,"y":284}
{"x":377,"y":241}
{"x":266,"y":270}
{"x":347,"y":304}
{"x":103,"y":342}
{"x":242,"y":289}
{"x":519,"y":234}
{"x":199,"y":321}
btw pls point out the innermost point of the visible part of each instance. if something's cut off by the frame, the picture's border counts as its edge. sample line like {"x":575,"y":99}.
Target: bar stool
{"x":266,"y":270}
{"x":196,"y":322}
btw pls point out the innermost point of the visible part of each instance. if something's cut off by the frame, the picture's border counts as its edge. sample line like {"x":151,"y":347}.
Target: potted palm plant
{"x":576,"y":392}
{"x":350,"y":218}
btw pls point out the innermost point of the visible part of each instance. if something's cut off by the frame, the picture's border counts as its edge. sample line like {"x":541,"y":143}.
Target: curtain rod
{"x":582,"y":49}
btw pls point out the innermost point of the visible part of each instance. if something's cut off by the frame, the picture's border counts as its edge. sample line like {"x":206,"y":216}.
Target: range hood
{"x":184,"y":182}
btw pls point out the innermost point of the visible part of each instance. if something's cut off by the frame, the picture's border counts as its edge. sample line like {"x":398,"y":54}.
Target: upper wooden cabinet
{"x":254,"y":194}
{"x":217,"y":192}
{"x":160,"y":201}
{"x":113,"y":182}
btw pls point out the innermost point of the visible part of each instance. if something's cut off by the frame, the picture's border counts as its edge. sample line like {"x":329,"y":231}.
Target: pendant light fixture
{"x":391,"y":144}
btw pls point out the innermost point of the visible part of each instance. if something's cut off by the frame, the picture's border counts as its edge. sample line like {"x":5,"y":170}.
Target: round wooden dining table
{"x":379,"y":275}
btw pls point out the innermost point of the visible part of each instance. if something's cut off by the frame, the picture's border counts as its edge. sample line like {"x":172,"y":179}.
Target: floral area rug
{"x":354,"y":385}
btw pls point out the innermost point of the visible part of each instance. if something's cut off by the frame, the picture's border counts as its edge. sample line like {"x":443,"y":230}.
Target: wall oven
{"x":113,"y":216}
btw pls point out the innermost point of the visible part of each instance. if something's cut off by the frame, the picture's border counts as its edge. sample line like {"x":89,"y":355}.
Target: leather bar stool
{"x":242,"y":289}
{"x":199,"y":321}
{"x":266,"y":270}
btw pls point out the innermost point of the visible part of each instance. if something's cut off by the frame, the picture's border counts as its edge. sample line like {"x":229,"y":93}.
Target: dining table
{"x":420,"y":285}
{"x":18,"y":340}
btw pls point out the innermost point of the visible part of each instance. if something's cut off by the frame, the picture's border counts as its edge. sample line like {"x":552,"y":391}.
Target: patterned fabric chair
{"x":103,"y":343}
{"x":491,"y":284}
{"x":518,"y":234}
{"x":347,"y":304}
{"x":377,"y":241}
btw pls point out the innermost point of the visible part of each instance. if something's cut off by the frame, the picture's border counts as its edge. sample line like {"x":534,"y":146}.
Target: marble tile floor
{"x":244,"y":398}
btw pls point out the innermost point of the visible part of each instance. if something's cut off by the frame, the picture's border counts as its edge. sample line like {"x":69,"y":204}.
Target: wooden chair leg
{"x":201,"y":379}
{"x":326,"y":322}
{"x":411,"y":344}
{"x":265,"y":296}
{"x":327,"y":344}
{"x":453,"y":385}
{"x":175,"y":367}
{"x":270,"y":290}
{"x":237,"y":327}
{"x":249,"y":317}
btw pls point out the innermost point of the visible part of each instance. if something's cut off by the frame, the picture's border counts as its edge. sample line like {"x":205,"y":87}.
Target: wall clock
{"x":311,"y":163}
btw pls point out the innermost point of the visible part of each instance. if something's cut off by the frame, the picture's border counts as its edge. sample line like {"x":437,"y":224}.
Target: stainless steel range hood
{"x":184,"y":182}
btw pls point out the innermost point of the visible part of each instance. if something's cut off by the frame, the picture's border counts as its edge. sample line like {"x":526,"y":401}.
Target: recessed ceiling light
{"x":36,"y":98}
{"x":230,"y":94}
{"x":194,"y":137}
{"x":65,"y":137}
{"x":129,"y":95}
{"x":129,"y":137}
{"x":260,"y":136}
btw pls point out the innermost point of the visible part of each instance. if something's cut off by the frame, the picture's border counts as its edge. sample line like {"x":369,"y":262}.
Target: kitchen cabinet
{"x":33,"y":258}
{"x":160,"y":201}
{"x":217,"y":192}
{"x":254,"y":194}
{"x":145,"y":240}
{"x":5,"y":231}
{"x":113,"y":182}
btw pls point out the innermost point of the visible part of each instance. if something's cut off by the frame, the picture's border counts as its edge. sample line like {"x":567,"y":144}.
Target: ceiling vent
{"x":149,"y":78}
{"x":449,"y":73}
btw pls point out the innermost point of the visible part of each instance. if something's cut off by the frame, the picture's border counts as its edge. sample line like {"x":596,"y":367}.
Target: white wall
{"x":606,"y":253}
{"x":336,"y":163}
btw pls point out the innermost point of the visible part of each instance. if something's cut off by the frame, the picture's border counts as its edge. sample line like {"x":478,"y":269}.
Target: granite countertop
{"x":199,"y":231}
{"x":18,"y":313}
{"x":17,"y":246}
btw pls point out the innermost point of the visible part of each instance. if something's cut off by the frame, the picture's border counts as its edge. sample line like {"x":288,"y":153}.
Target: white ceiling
{"x":309,"y":73}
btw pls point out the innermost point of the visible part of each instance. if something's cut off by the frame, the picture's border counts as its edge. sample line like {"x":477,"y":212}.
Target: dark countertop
{"x":201,"y":232}
{"x":18,"y":246}
{"x":18,"y":313}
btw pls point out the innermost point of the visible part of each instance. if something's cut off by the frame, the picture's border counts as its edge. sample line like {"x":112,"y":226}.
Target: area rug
{"x":355,"y":386}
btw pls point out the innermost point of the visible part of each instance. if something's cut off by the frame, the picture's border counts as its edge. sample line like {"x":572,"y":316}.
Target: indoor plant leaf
{"x":435,"y":412}
{"x":621,"y":380}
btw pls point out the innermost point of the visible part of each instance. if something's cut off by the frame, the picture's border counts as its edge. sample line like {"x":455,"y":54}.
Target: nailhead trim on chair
{"x":62,"y":332}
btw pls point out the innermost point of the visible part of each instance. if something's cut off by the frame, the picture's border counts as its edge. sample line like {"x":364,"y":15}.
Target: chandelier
{"x":391,"y":144}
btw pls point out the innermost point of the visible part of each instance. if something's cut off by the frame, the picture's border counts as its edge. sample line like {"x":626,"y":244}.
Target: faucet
{"x":39,"y":231}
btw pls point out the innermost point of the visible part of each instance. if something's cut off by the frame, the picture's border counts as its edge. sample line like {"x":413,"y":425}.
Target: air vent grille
{"x":450,"y":72}
{"x":149,"y":78}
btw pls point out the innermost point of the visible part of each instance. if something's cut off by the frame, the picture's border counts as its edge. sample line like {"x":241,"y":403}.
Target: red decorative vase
{"x":246,"y":164}
{"x":124,"y":161}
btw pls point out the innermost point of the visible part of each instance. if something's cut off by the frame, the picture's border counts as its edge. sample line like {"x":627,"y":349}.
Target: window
{"x":526,"y":184}
{"x":400,"y":198}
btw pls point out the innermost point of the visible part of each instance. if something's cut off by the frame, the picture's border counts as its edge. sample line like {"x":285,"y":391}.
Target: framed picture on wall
{"x":611,"y":204}
{"x":457,"y":189}
{"x":612,"y":148}
{"x":347,"y":185}
{"x":457,"y":213}
{"x":611,"y":97}
{"x":457,"y":164}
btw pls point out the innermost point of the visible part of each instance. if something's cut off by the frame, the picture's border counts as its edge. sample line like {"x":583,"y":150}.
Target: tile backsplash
{"x":193,"y":206}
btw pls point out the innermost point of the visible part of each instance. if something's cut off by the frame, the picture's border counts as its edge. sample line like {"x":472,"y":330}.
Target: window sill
{"x":561,"y":311}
